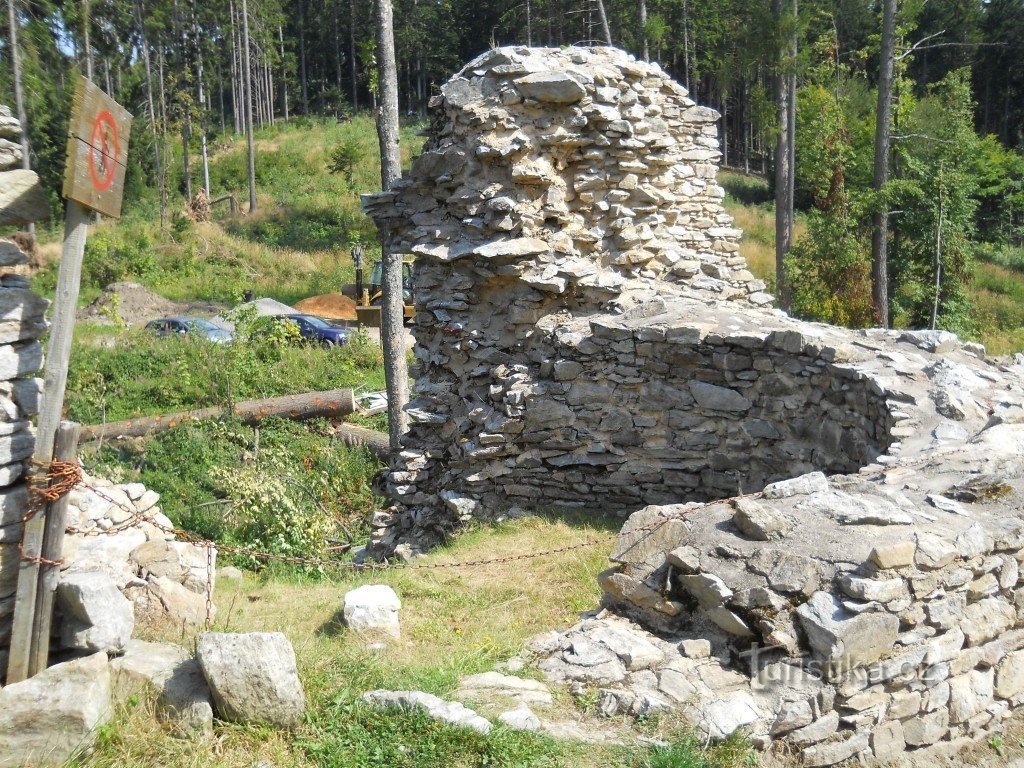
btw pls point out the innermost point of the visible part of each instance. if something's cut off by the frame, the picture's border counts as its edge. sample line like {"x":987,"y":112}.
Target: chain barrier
{"x":59,"y":479}
{"x":64,"y":476}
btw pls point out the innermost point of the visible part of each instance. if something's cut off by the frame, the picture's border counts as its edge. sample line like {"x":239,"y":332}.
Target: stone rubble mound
{"x":123,"y":570}
{"x":836,"y":513}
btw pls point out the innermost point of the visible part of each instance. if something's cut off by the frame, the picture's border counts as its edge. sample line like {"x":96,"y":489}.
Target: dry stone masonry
{"x":825,"y":527}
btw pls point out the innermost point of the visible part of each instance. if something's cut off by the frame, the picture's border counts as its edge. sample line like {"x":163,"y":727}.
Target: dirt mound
{"x":332,"y":306}
{"x":136,"y":305}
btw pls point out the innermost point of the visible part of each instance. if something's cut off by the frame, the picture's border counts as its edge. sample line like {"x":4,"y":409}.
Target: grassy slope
{"x":295,"y":245}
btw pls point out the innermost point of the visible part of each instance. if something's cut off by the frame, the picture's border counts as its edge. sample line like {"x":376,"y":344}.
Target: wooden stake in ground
{"x":65,"y":449}
{"x":93,"y":180}
{"x":58,"y":354}
{"x":392,"y":331}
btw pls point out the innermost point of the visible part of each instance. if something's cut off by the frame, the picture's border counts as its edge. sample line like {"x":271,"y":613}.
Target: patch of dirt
{"x":332,"y":306}
{"x":136,"y":305}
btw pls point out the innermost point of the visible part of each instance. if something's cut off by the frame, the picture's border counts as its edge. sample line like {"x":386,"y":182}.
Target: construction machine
{"x":368,"y":295}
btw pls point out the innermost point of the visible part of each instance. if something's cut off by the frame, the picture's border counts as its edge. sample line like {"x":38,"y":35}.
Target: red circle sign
{"x":102,"y":150}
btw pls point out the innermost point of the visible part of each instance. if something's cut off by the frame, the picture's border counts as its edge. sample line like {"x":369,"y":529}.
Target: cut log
{"x":334,"y":403}
{"x":375,"y":442}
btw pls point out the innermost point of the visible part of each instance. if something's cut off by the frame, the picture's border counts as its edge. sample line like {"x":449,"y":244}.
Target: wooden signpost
{"x":93,"y":180}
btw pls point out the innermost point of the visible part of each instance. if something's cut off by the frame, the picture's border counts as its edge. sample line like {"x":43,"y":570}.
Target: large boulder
{"x":46,"y":719}
{"x":179,"y":561}
{"x":96,"y":616}
{"x":253,"y":677}
{"x":844,"y":640}
{"x":373,"y":610}
{"x":169,"y":671}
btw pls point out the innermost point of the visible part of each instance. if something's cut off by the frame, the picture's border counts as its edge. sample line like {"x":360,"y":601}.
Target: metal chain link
{"x":62,"y":477}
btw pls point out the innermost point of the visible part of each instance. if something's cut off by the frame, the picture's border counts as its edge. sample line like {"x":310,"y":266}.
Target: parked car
{"x":189,"y":326}
{"x":318,"y":330}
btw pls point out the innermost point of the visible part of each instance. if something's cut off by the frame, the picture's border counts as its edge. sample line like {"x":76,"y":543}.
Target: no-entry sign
{"x":97,"y":150}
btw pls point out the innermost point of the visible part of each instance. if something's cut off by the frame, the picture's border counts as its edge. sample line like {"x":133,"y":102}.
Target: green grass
{"x":117,"y":375}
{"x":454,"y":622}
{"x":295,"y":245}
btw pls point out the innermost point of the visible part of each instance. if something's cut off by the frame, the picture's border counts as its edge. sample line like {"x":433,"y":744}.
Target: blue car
{"x":318,"y":330}
{"x":189,"y":326}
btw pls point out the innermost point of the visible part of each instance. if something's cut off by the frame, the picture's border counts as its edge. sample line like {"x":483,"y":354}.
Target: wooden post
{"x":65,"y":303}
{"x":65,"y":449}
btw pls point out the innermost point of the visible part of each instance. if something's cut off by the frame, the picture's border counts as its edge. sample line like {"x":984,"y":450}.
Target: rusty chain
{"x":62,"y":477}
{"x":59,"y":479}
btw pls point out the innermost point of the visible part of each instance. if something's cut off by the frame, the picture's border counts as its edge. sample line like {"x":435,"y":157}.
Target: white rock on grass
{"x":46,"y":719}
{"x":451,"y":712}
{"x":372,"y":610}
{"x":96,"y":616}
{"x":521,"y":719}
{"x":253,"y":677}
{"x":171,"y":672}
{"x":487,"y":684}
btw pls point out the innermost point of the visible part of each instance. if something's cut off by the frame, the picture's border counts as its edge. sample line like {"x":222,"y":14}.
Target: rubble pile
{"x":824,"y":526}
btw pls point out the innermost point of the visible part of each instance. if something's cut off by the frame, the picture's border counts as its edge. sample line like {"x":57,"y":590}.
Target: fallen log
{"x":334,"y":403}
{"x":373,"y":441}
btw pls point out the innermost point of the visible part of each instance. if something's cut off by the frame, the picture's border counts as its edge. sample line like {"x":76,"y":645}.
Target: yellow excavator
{"x":368,"y":295}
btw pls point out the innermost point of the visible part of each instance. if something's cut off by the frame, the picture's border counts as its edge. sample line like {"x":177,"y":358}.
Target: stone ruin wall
{"x":557,"y":187}
{"x":22,"y":325}
{"x":587,"y":335}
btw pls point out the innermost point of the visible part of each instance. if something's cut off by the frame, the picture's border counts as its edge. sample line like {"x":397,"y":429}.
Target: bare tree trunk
{"x":284,"y":75}
{"x":352,"y":54}
{"x":163,"y":135}
{"x":392,"y":331}
{"x":19,"y":92}
{"x":686,"y":43}
{"x":938,"y":264}
{"x":85,"y":39}
{"x":202,"y":99}
{"x":236,"y":73}
{"x":605,"y":29}
{"x":144,"y":42}
{"x":783,"y":167}
{"x":643,"y":30}
{"x":302,"y":58}
{"x":247,"y":73}
{"x":883,"y":126}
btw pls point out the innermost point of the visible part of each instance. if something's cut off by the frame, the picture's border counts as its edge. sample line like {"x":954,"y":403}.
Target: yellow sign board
{"x":97,"y":150}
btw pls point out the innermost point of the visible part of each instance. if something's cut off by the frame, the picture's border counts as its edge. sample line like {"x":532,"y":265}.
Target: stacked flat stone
{"x":587,"y":336}
{"x":122,"y":569}
{"x":554,"y":181}
{"x":22,"y":324}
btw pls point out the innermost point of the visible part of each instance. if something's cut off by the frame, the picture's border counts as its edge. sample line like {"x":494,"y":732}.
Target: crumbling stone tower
{"x":560,"y":191}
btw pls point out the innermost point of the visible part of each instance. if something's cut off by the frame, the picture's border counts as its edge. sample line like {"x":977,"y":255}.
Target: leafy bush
{"x":285,"y":488}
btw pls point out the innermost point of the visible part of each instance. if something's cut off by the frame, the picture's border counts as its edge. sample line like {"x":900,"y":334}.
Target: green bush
{"x":284,"y":488}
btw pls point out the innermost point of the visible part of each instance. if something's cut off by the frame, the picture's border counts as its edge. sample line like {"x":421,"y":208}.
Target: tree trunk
{"x":163,"y":135}
{"x":883,"y":118}
{"x":247,"y":74}
{"x":284,"y":75}
{"x":308,"y":405}
{"x":144,"y":43}
{"x":352,"y":54}
{"x":85,"y":39}
{"x":783,"y":165}
{"x":302,"y":58}
{"x":605,"y":29}
{"x":938,"y":264}
{"x":643,"y":30}
{"x":202,"y":100}
{"x":392,"y":331}
{"x":19,"y":92}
